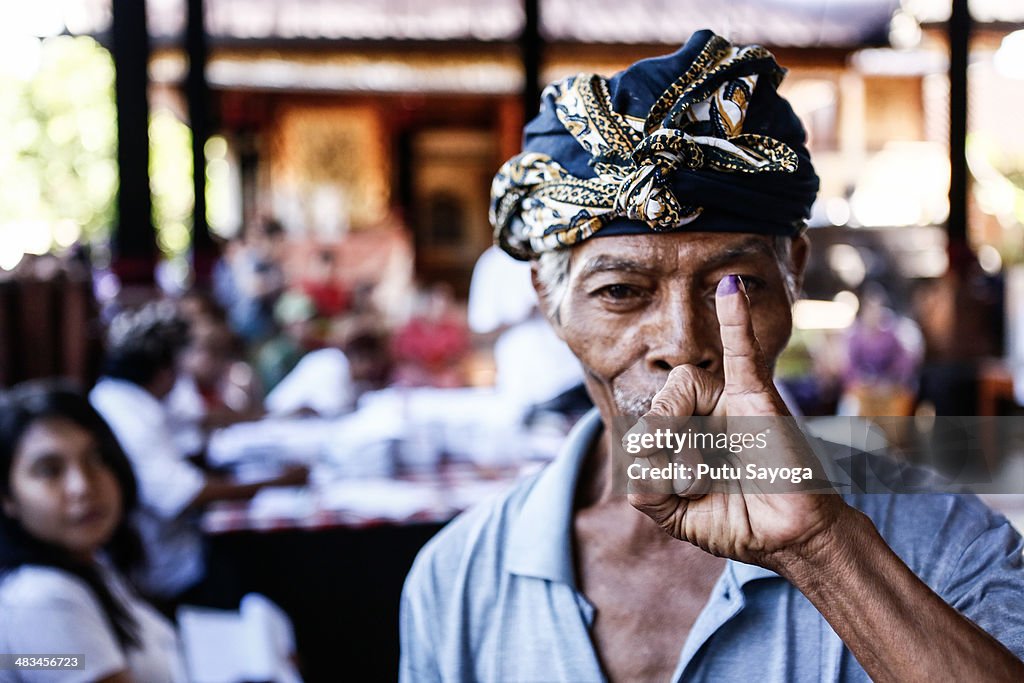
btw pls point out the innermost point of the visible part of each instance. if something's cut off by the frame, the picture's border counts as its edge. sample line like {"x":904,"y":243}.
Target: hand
{"x":749,"y":525}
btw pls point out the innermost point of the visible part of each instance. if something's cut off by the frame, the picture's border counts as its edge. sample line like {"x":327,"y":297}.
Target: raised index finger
{"x":743,"y":361}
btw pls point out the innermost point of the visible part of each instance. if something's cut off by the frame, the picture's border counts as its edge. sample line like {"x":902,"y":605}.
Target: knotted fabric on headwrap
{"x":699,"y":138}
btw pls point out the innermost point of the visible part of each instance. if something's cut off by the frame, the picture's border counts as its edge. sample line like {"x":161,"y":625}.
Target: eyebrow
{"x":603,"y":264}
{"x":751,"y":248}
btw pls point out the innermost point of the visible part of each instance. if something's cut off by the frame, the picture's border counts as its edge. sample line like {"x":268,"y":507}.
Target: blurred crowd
{"x":277,"y":316}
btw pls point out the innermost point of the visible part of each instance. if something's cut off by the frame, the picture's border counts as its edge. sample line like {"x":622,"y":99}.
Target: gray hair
{"x":784,"y":255}
{"x":553,"y":273}
{"x":552,"y":269}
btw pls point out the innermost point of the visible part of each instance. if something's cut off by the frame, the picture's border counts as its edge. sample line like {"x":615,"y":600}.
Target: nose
{"x":78,"y":482}
{"x":683,"y":330}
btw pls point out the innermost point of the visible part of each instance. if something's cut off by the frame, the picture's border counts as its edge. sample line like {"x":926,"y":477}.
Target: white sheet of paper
{"x":226,"y":646}
{"x":384,"y":498}
{"x":290,"y":502}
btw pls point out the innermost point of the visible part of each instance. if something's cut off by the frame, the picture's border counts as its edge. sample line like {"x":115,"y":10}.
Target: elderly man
{"x":663,"y":212}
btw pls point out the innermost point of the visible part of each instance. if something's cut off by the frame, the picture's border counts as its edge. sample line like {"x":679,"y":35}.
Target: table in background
{"x":338,"y":572}
{"x":334,"y":555}
{"x":339,"y":585}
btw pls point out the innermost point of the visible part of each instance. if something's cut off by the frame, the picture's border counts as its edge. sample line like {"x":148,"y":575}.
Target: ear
{"x":799,"y":251}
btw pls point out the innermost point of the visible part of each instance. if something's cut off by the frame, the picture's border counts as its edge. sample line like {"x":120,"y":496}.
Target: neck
{"x":595,"y":480}
{"x":601,"y":476}
{"x":598,"y":498}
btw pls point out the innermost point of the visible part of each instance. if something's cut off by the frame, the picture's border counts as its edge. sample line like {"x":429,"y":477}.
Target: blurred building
{"x":372,"y":129}
{"x":347,"y":116}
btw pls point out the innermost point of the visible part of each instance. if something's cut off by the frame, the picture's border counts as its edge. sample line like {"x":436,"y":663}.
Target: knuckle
{"x":662,"y":405}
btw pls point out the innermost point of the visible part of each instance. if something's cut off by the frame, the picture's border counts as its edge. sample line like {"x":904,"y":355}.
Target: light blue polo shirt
{"x":493,"y":596}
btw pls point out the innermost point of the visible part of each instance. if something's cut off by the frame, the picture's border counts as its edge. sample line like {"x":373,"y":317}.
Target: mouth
{"x":91,"y":517}
{"x":633,"y":403}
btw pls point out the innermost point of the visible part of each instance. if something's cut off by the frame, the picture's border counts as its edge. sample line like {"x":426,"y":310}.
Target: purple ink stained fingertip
{"x":730,"y":284}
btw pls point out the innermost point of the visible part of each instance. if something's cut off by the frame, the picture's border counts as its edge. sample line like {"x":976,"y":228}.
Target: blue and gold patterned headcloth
{"x":697,"y":140}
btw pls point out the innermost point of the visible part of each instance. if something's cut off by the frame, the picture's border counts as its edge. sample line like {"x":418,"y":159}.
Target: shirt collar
{"x":745,"y":573}
{"x":540,"y":540}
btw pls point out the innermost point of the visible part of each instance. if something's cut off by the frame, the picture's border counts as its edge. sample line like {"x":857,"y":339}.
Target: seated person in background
{"x":297,"y":334}
{"x":321,"y":282}
{"x":197,"y":304}
{"x":213,"y":388}
{"x":320,"y":384}
{"x":363,"y":334}
{"x":67,"y":546}
{"x":883,"y":357}
{"x":139,"y":372}
{"x":257,"y":280}
{"x":303,"y":375}
{"x":533,"y":366}
{"x":663,"y":211}
{"x":430,"y":347}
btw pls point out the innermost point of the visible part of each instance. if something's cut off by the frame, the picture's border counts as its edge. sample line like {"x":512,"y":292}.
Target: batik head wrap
{"x":697,"y":140}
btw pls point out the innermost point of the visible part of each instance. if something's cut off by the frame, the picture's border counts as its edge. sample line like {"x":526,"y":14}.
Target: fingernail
{"x":730,"y":284}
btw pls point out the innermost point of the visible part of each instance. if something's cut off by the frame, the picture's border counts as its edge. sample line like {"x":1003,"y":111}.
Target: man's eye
{"x":618,"y":292}
{"x":751,"y":283}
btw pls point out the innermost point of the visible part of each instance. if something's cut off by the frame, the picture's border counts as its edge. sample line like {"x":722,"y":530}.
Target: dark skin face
{"x":639,"y":305}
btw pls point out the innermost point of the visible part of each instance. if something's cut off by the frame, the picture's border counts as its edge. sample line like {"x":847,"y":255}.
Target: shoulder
{"x":470,"y":548}
{"x":456,"y":581}
{"x":45,"y":605}
{"x":108,"y":391}
{"x":898,"y":495}
{"x":937,"y":532}
{"x":34,"y":587}
{"x":49,"y":610}
{"x":125,"y":405}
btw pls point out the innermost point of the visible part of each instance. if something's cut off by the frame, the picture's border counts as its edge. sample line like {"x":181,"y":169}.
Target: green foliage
{"x":57,"y":153}
{"x":170,"y":179}
{"x":998,"y":186}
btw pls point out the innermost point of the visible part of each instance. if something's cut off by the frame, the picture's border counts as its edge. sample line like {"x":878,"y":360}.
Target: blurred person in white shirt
{"x":214,"y":387}
{"x":143,"y":347}
{"x":533,"y":365}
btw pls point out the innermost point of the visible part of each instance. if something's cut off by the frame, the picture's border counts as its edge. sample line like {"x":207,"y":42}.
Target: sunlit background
{"x":347,"y":120}
{"x":369,"y":131}
{"x":878,"y":115}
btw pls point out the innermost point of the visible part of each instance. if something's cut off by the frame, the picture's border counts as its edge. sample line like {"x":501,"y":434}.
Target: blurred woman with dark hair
{"x":67,"y":544}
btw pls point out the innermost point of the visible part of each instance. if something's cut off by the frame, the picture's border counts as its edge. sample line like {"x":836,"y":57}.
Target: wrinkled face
{"x":637,"y":306}
{"x":61,"y":490}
